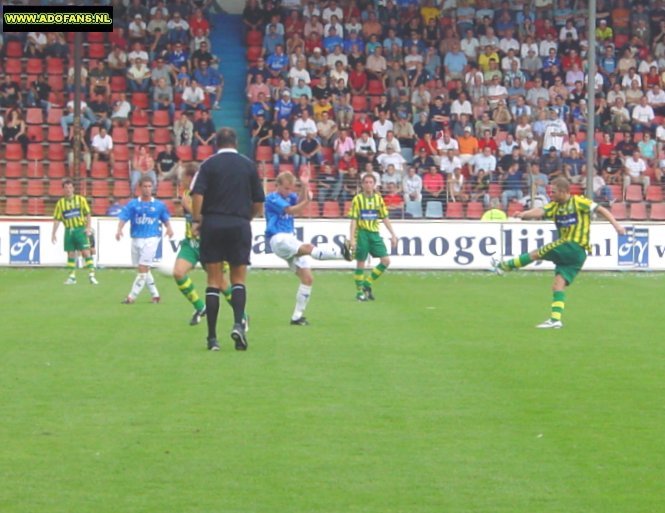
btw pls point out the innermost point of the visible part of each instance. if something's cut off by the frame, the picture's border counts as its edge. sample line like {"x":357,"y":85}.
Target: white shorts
{"x":286,"y":246}
{"x":144,"y":250}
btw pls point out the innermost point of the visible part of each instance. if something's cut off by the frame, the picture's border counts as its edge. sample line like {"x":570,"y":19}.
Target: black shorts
{"x":225,"y":239}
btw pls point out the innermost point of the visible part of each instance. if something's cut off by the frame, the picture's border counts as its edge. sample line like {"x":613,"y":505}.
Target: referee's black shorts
{"x":225,"y":239}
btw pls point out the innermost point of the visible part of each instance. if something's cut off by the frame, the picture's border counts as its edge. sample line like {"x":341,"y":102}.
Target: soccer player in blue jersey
{"x":145,"y":215}
{"x":280,"y":207}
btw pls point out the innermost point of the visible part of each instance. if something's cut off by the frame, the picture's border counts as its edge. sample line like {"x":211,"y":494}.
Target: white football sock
{"x":150,"y":282}
{"x":137,"y":287}
{"x":302,"y":298}
{"x":326,"y":252}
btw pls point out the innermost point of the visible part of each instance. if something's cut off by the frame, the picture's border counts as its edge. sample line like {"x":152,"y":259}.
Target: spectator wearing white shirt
{"x":332,"y":10}
{"x":102,"y":147}
{"x":304,"y":125}
{"x":389,"y":140}
{"x":299,"y":72}
{"x":555,"y":133}
{"x":449,"y":162}
{"x":635,"y":172}
{"x":412,"y":185}
{"x":546,"y":45}
{"x":444,"y":143}
{"x":469,"y":46}
{"x":484,"y":160}
{"x":391,"y":157}
{"x":381,"y":126}
{"x":656,"y":98}
{"x":193,"y":97}
{"x":643,"y":116}
{"x":461,"y":106}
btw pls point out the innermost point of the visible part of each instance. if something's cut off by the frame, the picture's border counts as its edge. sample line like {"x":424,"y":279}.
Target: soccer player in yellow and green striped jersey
{"x":73,"y":211}
{"x":572,"y":217}
{"x":367,"y":209}
{"x":188,"y":256}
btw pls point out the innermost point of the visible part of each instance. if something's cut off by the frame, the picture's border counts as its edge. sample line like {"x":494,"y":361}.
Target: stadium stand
{"x":429,"y":87}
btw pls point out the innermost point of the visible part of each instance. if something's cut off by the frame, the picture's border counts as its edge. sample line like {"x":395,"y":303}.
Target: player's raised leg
{"x":186,"y":286}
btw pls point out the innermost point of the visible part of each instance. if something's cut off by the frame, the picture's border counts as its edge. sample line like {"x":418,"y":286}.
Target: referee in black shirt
{"x":226,"y":195}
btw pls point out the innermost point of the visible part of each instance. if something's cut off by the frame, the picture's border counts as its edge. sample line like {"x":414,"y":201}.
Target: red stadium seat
{"x":204,"y":151}
{"x":184,"y":153}
{"x":331,"y":209}
{"x":96,"y":51}
{"x":14,"y":49}
{"x":35,"y":169}
{"x":616,"y":190}
{"x":34,"y":116}
{"x":253,"y":53}
{"x":13,"y":170}
{"x":100,"y":189}
{"x":34,"y":66}
{"x":13,"y":66}
{"x":121,"y":170}
{"x":35,"y":207}
{"x":619,"y":211}
{"x":57,"y":83}
{"x":576,"y":189}
{"x":454,"y":210}
{"x":141,"y":136}
{"x":35,"y":187}
{"x":55,"y":153}
{"x":139,"y":117}
{"x":55,"y":66}
{"x":13,"y":151}
{"x":311,"y":210}
{"x":638,"y":211}
{"x":54,"y":116}
{"x":56,"y":170}
{"x":359,"y":103}
{"x":375,"y":88}
{"x":121,"y":153}
{"x":140,"y":100}
{"x":100,"y":206}
{"x":55,"y":134}
{"x":161,"y":136}
{"x":35,"y":151}
{"x":254,"y":38}
{"x":14,"y":187}
{"x":634,"y":193}
{"x":161,"y":118}
{"x":118,"y":84}
{"x":495,"y":190}
{"x":99,"y":169}
{"x":474,"y":210}
{"x":14,"y":207}
{"x":263,"y":153}
{"x":657,"y":212}
{"x":35,"y":133}
{"x":654,"y":193}
{"x":121,"y":189}
{"x":165,"y":189}
{"x":96,"y":37}
{"x":120,"y":135}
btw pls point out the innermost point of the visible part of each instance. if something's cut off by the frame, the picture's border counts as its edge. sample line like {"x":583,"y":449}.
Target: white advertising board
{"x":422,"y":244}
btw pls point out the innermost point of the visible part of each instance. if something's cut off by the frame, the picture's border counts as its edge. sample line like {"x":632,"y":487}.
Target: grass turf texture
{"x":440,"y":396}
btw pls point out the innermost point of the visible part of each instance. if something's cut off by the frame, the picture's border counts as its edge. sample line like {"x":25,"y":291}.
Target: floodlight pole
{"x":76,"y":140}
{"x":591,"y":99}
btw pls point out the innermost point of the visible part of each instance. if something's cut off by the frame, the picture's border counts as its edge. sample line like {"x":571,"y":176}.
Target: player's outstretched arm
{"x":54,"y":238}
{"x":533,"y":213}
{"x":393,"y":237}
{"x":118,"y":233}
{"x":608,"y":215}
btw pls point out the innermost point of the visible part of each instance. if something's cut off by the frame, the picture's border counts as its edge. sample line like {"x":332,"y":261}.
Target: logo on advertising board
{"x":633,"y":247}
{"x":24,"y":245}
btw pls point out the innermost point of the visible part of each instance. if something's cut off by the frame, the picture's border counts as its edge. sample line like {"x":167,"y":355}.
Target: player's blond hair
{"x":561,"y":184}
{"x":285,"y":177}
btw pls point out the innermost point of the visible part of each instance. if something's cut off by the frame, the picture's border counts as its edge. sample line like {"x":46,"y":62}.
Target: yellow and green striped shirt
{"x":368,"y":211}
{"x":73,"y":212}
{"x":572,"y":219}
{"x":188,"y":216}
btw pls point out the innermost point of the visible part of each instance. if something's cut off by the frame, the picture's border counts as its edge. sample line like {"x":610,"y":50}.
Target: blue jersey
{"x":277,"y":220}
{"x":145,"y":217}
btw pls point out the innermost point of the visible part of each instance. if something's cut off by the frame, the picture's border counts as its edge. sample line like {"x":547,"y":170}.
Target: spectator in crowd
{"x":162,"y":97}
{"x":167,"y":164}
{"x":138,"y":76}
{"x":286,"y":151}
{"x":329,"y":185}
{"x":143,"y":165}
{"x":210,"y":80}
{"x":635,"y":169}
{"x":193,"y":97}
{"x":204,"y":131}
{"x":102,"y":148}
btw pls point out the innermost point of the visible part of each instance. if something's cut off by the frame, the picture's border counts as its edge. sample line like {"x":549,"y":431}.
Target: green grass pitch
{"x":440,"y":396}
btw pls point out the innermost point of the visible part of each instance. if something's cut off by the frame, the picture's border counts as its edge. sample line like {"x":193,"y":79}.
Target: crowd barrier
{"x":444,"y":245}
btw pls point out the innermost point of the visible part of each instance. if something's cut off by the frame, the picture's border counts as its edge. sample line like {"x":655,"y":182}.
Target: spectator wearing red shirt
{"x":487,"y":140}
{"x":434,"y":185}
{"x":426,"y":143}
{"x":361,"y":124}
{"x":358,"y":80}
{"x":198,"y":22}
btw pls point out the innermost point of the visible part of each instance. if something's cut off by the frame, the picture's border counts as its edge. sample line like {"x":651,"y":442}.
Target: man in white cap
{"x":316,"y":63}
